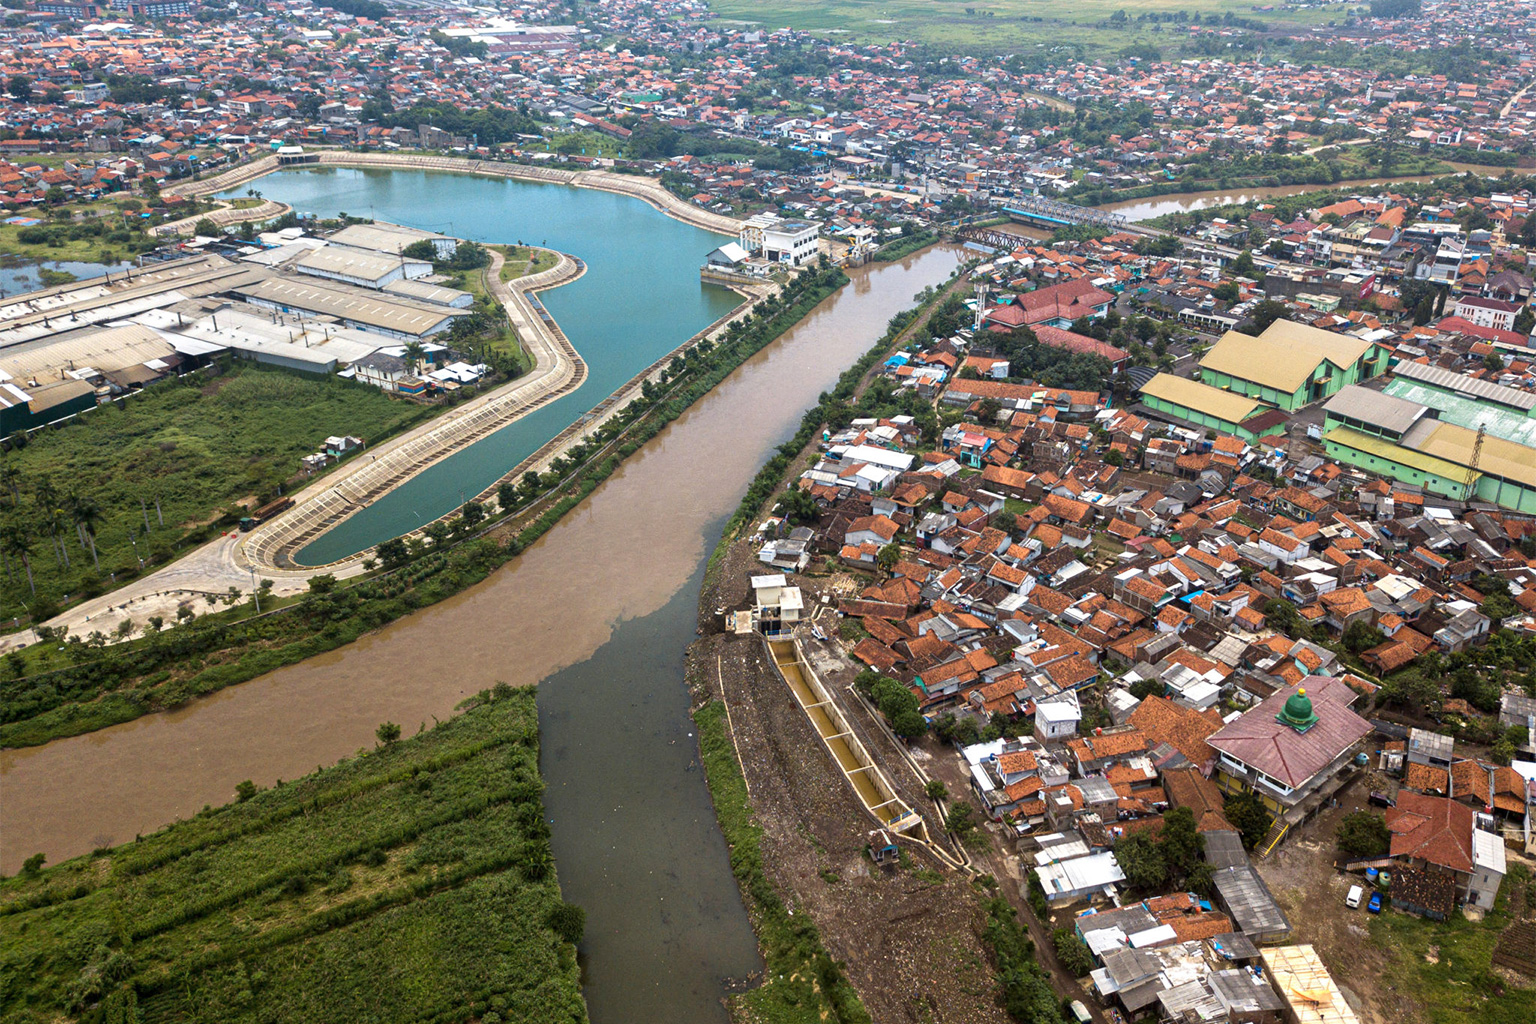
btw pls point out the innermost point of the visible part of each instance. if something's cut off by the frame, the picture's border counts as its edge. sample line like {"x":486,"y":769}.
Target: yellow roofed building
{"x":1290,"y":365}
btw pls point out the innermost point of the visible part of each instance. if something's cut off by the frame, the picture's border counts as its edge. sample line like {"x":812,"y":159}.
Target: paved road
{"x":240,"y":560}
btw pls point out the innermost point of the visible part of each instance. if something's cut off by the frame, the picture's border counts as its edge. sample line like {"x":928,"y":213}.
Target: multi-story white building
{"x":778,"y":240}
{"x":1494,"y":313}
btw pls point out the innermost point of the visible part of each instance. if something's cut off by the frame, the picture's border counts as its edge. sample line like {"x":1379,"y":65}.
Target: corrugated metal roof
{"x":1499,"y":457}
{"x":1461,"y":384}
{"x":111,"y":348}
{"x":1384,"y":449}
{"x":359,"y":308}
{"x":1191,"y":394}
{"x":1375,"y":408}
{"x":1284,"y":356}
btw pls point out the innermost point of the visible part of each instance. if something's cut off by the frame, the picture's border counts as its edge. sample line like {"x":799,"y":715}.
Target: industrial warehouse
{"x":1488,"y":456}
{"x":296,"y":302}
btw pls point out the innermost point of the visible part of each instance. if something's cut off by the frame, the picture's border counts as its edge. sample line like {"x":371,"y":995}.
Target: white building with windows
{"x":1494,"y":313}
{"x":778,"y":240}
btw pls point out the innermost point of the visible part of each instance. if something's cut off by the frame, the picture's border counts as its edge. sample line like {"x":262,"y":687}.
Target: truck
{"x":267,"y":511}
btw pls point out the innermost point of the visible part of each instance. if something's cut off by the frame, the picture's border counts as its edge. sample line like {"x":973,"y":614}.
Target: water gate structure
{"x":871,"y":785}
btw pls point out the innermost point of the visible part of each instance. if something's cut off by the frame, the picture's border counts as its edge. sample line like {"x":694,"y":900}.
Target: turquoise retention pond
{"x":640,"y":298}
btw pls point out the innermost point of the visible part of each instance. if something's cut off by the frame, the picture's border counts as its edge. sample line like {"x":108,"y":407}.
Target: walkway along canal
{"x":601,"y":610}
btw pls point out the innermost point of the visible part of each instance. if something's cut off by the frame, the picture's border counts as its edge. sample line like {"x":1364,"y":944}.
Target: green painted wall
{"x":1198,"y":418}
{"x":1369,"y":365}
{"x":1433,"y":483}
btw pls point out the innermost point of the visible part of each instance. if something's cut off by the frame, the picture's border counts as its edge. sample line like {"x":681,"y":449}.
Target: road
{"x":239,"y":560}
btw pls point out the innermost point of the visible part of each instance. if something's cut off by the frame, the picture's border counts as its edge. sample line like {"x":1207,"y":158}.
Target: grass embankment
{"x":414,"y":882}
{"x":194,"y":445}
{"x":168,"y":669}
{"x":903,"y":247}
{"x":1447,"y":966}
{"x":524,"y":261}
{"x":802,"y":982}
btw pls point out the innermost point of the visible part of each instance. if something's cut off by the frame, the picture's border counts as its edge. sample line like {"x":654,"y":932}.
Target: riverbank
{"x":167,"y":670}
{"x":903,"y":936}
{"x":414,"y":880}
{"x":1154,"y":203}
{"x":648,"y":190}
{"x":233,"y":560}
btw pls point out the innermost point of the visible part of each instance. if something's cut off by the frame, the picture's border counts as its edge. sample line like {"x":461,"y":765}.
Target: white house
{"x":778,"y":240}
{"x":1057,"y":717}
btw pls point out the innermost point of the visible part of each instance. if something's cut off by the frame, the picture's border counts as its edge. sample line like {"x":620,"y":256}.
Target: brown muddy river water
{"x":599,"y":611}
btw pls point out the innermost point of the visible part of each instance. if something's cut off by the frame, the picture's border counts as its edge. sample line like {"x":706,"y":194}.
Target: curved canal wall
{"x":648,"y":190}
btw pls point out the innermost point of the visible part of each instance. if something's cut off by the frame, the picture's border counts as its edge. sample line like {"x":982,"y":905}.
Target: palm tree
{"x":87,"y":515}
{"x":14,"y":541}
{"x":10,"y":478}
{"x":56,"y":519}
{"x":47,"y":500}
{"x":415,"y":352}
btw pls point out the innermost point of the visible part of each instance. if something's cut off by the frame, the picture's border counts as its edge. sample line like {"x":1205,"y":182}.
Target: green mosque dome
{"x":1298,"y":713}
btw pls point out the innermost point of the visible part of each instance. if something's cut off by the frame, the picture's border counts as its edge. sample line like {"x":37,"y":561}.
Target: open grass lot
{"x":411,"y":883}
{"x":1446,"y":967}
{"x":1012,"y":26}
{"x":197,"y":445}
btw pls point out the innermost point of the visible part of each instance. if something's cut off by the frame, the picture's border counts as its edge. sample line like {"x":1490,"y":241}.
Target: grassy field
{"x":1013,"y":26}
{"x":411,"y":883}
{"x":1446,"y":967}
{"x":802,"y":984}
{"x":197,"y":446}
{"x":522,"y":260}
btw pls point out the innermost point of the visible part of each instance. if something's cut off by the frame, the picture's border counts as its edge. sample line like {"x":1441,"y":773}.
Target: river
{"x":1137,"y":210}
{"x":599,"y":611}
{"x":640,"y":298}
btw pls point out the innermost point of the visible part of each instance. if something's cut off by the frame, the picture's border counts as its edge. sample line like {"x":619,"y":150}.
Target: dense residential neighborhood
{"x":1143,"y":629}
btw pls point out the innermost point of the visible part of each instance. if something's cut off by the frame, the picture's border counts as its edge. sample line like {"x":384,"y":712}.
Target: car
{"x":1352,"y":901}
{"x":1375,"y":905}
{"x":1080,"y":1013}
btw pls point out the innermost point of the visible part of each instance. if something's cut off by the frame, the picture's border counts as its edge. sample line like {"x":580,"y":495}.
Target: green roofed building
{"x":1201,"y":405}
{"x":1290,"y":365}
{"x":1406,"y":442}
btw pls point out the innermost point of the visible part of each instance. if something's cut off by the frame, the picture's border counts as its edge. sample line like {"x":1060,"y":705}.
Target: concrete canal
{"x":599,"y":611}
{"x":640,"y":298}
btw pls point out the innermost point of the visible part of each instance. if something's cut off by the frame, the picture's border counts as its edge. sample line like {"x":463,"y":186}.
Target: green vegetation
{"x":166,"y":669}
{"x":1363,"y":834}
{"x":1167,"y":859}
{"x":1141,"y":27}
{"x":147,"y":477}
{"x":1072,"y":951}
{"x":1027,"y":994}
{"x":1247,"y":813}
{"x":106,"y":232}
{"x":802,"y":982}
{"x":897,"y":703}
{"x":1446,"y":966}
{"x":414,"y":882}
{"x":905,"y":246}
{"x":525,"y":260}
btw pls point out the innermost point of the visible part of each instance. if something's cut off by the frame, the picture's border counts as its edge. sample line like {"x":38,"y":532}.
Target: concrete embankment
{"x":267,"y":209}
{"x":648,"y":190}
{"x":557,"y":370}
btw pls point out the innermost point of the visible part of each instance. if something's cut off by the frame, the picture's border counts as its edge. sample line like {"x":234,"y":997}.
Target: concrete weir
{"x":875,"y":791}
